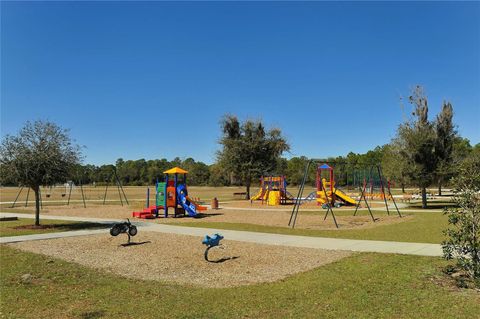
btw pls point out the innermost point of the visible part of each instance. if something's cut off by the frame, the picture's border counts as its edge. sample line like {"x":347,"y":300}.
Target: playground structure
{"x":332,"y":193}
{"x":327,"y":193}
{"x":273,"y":191}
{"x":172,"y":193}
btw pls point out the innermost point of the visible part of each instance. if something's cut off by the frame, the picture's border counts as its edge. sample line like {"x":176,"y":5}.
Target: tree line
{"x":243,"y":168}
{"x":350,"y":170}
{"x":423,"y":153}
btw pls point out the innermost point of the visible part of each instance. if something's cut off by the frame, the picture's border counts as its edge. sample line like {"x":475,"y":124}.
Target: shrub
{"x":463,"y":235}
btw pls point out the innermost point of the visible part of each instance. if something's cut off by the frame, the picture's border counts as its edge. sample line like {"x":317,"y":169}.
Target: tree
{"x":394,"y":165}
{"x":416,"y":140}
{"x":218,"y":176}
{"x":199,"y":172}
{"x":372,"y":157}
{"x":460,"y":151}
{"x":42,"y":153}
{"x":296,"y":169}
{"x":445,"y":139}
{"x":463,"y":239}
{"x":248,"y":151}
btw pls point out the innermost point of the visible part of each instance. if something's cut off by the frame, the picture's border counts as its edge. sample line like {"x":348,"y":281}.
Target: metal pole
{"x":362,"y":194}
{"x":105,"y":195}
{"x":365,"y":199}
{"x":296,"y":200}
{"x":148,"y":197}
{"x":83,"y":196}
{"x":165,"y":198}
{"x":28,"y":193}
{"x":70,"y":193}
{"x":393,"y":199}
{"x":119,"y":195}
{"x":329,"y":207}
{"x":383,"y":189}
{"x":371,"y":192}
{"x":369,"y":210}
{"x":296,"y":206}
{"x":119,"y":184}
{"x":15,"y":201}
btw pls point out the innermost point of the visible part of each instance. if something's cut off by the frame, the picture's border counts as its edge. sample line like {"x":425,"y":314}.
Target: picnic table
{"x":241,"y":194}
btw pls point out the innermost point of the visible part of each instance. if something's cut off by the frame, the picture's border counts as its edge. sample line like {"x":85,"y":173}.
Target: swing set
{"x":374,"y":178}
{"x":121,"y":193}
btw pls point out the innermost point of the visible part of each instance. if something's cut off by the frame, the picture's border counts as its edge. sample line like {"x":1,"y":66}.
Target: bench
{"x":240,"y":194}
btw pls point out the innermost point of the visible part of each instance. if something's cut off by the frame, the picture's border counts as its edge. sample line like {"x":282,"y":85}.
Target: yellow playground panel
{"x":330,"y":190}
{"x":326,"y":190}
{"x":273,"y":191}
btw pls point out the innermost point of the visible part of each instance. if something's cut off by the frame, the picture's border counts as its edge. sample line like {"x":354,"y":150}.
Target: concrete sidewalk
{"x":69,"y":218}
{"x":73,"y":233}
{"x":421,"y":249}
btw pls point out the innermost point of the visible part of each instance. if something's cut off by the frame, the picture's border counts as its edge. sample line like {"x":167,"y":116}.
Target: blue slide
{"x":182,"y":194}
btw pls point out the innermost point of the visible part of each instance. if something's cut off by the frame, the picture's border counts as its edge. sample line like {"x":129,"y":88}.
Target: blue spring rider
{"x":211,"y":241}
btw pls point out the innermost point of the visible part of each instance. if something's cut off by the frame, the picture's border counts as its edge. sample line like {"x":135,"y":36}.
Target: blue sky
{"x":152,"y":79}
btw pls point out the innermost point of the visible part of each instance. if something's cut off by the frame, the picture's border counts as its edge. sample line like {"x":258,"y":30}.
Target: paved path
{"x":74,"y":233}
{"x":69,"y":218}
{"x":21,"y":203}
{"x":421,"y":249}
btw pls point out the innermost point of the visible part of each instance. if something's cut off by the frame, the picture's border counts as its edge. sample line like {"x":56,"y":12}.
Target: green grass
{"x":361,"y":286}
{"x":424,"y":227}
{"x":7,"y":228}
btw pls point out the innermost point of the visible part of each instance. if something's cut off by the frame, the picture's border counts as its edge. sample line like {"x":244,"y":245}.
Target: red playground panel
{"x":147,"y":213}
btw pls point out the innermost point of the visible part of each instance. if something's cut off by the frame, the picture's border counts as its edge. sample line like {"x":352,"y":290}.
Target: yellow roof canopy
{"x":175,"y":170}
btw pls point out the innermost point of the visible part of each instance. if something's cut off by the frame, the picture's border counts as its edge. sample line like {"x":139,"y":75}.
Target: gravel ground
{"x":179,"y":258}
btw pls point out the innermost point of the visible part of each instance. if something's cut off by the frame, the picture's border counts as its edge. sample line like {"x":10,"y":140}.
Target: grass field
{"x":9,"y":228}
{"x":362,"y":286}
{"x":136,"y":196}
{"x":98,"y":193}
{"x":425,"y":227}
{"x":133,"y":193}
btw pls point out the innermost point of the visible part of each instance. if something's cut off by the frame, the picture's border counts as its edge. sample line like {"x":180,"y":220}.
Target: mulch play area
{"x":179,"y":258}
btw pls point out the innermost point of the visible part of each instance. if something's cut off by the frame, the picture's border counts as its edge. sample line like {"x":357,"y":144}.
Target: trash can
{"x":214,"y":204}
